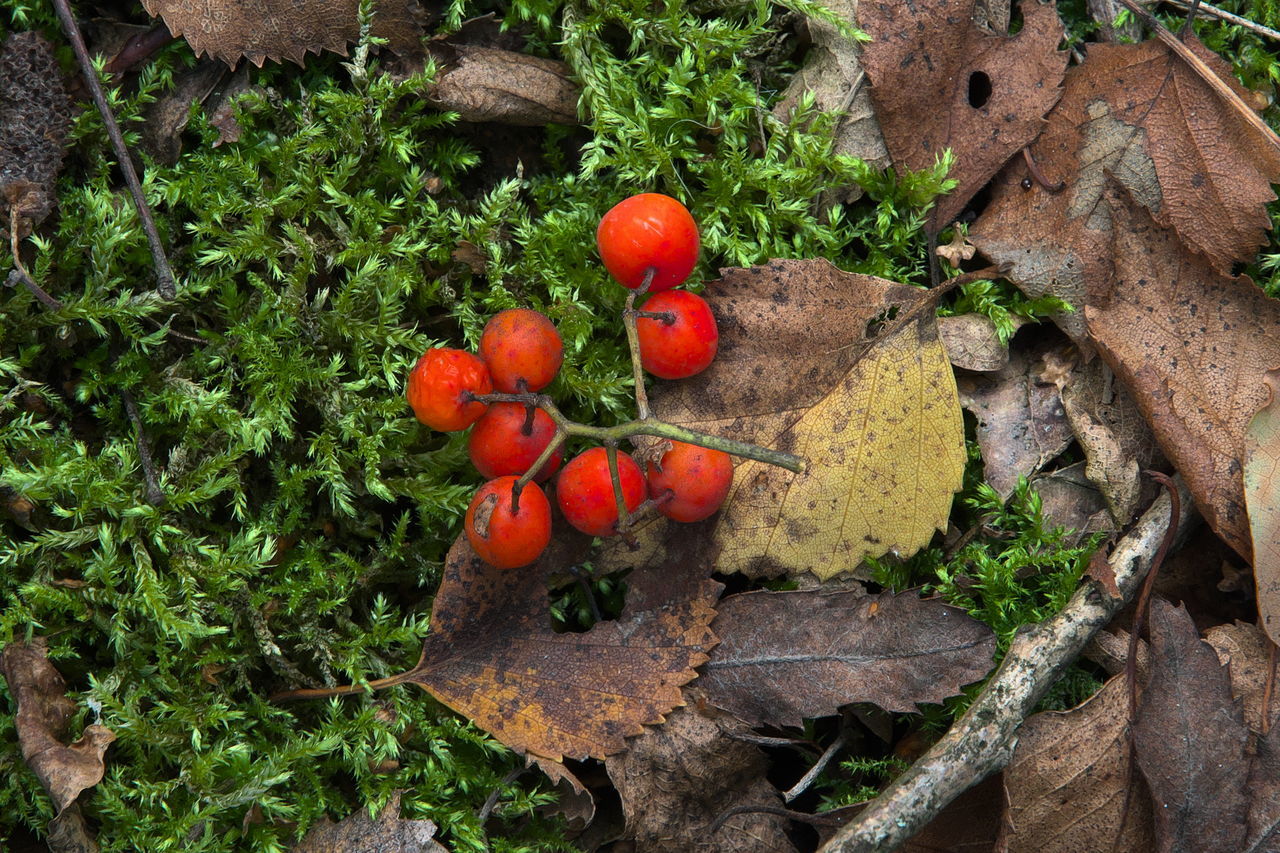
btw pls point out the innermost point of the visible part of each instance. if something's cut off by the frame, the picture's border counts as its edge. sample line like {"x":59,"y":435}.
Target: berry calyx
{"x":499,"y":445}
{"x":648,"y":230}
{"x":683,"y":347}
{"x":504,"y":538}
{"x":441,"y":386}
{"x":689,"y":483}
{"x":585,"y":493}
{"x":521,"y":344}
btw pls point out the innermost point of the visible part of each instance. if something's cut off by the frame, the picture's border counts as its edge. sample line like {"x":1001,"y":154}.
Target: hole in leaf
{"x":979,"y":89}
{"x":876,"y":324}
{"x":581,"y":599}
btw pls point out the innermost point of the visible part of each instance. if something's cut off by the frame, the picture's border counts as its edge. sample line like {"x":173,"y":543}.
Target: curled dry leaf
{"x":785,"y":656}
{"x":486,"y":84}
{"x":973,"y":343}
{"x":847,"y":371}
{"x":1069,"y":500}
{"x":1192,"y":346}
{"x":1244,"y":649}
{"x":1262,"y":499}
{"x":360,"y":833}
{"x":1067,"y":784}
{"x":35,"y":116}
{"x":939,"y":82}
{"x":677,"y":779}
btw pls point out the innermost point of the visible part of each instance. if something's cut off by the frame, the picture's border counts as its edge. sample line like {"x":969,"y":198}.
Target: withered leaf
{"x":675,"y":780}
{"x":1244,"y":649}
{"x":1065,"y":787}
{"x":784,"y":656}
{"x":938,"y":82}
{"x":847,"y":371}
{"x":360,"y":833}
{"x":972,"y":342}
{"x":43,"y":714}
{"x":1070,"y":501}
{"x":486,"y":84}
{"x":35,"y":116}
{"x":167,"y":117}
{"x":493,"y":657}
{"x":1262,"y":500}
{"x":1190,"y":740}
{"x":275,"y":30}
{"x":1192,"y":347}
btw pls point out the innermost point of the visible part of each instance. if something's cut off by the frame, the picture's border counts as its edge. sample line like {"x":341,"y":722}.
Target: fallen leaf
{"x":677,"y":779}
{"x":785,"y":656}
{"x":1262,"y":501}
{"x":360,"y":833}
{"x":1070,"y":501}
{"x":485,"y":84}
{"x":1021,"y":423}
{"x":973,"y":343}
{"x":35,"y":116}
{"x":1264,"y":795}
{"x":1067,"y":785}
{"x":493,"y":657}
{"x":275,"y":30}
{"x":1190,"y":739}
{"x":847,"y":371}
{"x":939,"y":82}
{"x":167,"y":117}
{"x":1192,"y":347}
{"x":1244,"y":649}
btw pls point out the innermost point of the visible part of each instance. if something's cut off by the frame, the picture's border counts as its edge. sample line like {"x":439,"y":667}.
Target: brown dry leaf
{"x":785,"y":656}
{"x":1137,"y":115}
{"x":485,"y":84}
{"x":847,"y":371}
{"x":167,"y":117}
{"x":493,"y":657}
{"x":938,"y":82}
{"x":1262,"y":499}
{"x":677,"y":779}
{"x":276,"y":30}
{"x":35,"y":116}
{"x":1244,"y":649}
{"x":1192,"y":347}
{"x":1070,"y":501}
{"x":1190,"y":740}
{"x":973,"y":343}
{"x":1021,"y":423}
{"x":360,"y":833}
{"x":43,"y":715}
{"x":1066,"y":785}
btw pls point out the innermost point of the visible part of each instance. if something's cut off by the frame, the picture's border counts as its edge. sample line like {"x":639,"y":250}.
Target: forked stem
{"x":633,"y":343}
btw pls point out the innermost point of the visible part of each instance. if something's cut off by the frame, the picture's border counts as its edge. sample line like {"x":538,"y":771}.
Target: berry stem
{"x":633,"y":343}
{"x":624,"y":515}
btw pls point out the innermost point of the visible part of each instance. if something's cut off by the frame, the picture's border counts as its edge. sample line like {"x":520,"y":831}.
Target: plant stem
{"x":633,"y":343}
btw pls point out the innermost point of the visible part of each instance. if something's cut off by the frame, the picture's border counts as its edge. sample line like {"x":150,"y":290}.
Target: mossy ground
{"x":306,"y":513}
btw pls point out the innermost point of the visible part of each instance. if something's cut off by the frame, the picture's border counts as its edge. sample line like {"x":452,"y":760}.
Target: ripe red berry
{"x":506,"y":539}
{"x":689,"y":483}
{"x":648,"y":230}
{"x":585,"y":491}
{"x":684,"y":347}
{"x":439,"y":384}
{"x":498,"y":445}
{"x":521,"y":343}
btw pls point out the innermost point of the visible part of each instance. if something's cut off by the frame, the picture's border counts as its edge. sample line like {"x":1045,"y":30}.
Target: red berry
{"x":506,"y":539}
{"x":439,"y":384}
{"x":521,"y":343}
{"x":585,"y":491}
{"x":648,"y":230}
{"x":684,"y":347}
{"x":696,"y":479}
{"x":498,"y":445}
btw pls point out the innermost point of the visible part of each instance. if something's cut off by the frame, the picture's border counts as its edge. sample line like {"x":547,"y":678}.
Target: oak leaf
{"x":847,"y":371}
{"x":1262,"y":499}
{"x":939,"y":82}
{"x":785,"y":656}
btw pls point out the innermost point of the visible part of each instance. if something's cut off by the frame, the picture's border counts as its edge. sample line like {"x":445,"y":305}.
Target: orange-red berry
{"x":521,"y":344}
{"x":585,"y":493}
{"x":689,"y":483}
{"x":506,"y":539}
{"x":648,"y":230}
{"x":684,"y":347}
{"x":498,"y":445}
{"x":440,"y":386}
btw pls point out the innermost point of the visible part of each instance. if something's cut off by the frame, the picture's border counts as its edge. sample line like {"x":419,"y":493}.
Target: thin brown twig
{"x":821,"y":764}
{"x":1206,"y":10}
{"x":155,"y":494}
{"x":1039,"y":176}
{"x":20,"y":271}
{"x":164,"y":274}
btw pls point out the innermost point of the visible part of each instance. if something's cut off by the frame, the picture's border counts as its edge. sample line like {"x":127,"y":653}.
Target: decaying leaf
{"x":493,"y":657}
{"x":275,"y":30}
{"x":847,"y":371}
{"x":939,"y":81}
{"x":1190,"y":740}
{"x":35,"y":116}
{"x":785,"y":656}
{"x":1262,"y":500}
{"x":675,"y":780}
{"x":1069,"y":500}
{"x":973,"y":343}
{"x":167,"y":117}
{"x":1244,"y":650}
{"x":486,"y":84}
{"x":1065,"y":787}
{"x":1192,"y":346}
{"x":360,"y":833}
{"x":43,"y":714}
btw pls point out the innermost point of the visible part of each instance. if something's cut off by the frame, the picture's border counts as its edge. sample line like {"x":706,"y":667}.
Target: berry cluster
{"x":648,"y":242}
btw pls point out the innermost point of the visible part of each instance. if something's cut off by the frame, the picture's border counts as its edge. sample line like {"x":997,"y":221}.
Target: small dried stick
{"x":155,"y":495}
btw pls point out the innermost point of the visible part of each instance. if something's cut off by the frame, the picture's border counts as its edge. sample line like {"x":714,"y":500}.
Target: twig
{"x":1039,"y":176}
{"x":1205,"y":73}
{"x":492,"y":801}
{"x":20,"y":273}
{"x":155,"y":494}
{"x":164,"y":274}
{"x":1207,"y":11}
{"x":805,"y":781}
{"x":982,"y":741}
